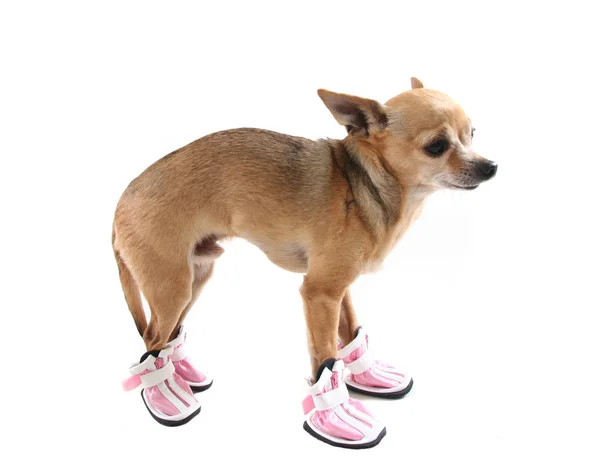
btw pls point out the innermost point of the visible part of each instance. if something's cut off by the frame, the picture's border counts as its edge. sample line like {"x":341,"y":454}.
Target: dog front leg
{"x":348,"y":320}
{"x":332,"y":416}
{"x":322,"y":304}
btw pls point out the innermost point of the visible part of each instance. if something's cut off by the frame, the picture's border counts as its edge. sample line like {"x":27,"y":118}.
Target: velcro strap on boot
{"x":326,"y":400}
{"x":362,"y":364}
{"x":132,"y":383}
{"x":157,"y":376}
{"x":151,"y":379}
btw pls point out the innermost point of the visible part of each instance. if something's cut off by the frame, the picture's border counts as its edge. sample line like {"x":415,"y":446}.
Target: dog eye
{"x":472,"y":132}
{"x":437,"y":148}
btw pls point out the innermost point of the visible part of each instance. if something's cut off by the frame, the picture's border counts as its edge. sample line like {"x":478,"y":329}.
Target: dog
{"x":330,"y":209}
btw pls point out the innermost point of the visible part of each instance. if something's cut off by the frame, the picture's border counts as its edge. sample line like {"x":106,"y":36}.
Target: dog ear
{"x":360,"y":116}
{"x":415,"y":83}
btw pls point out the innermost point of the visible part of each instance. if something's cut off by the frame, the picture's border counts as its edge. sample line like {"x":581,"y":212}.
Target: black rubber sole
{"x":389,"y":396}
{"x":362,"y":446}
{"x":201,"y":389}
{"x":169,"y":422}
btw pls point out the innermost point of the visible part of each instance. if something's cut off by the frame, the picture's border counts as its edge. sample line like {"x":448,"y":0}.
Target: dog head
{"x":422,"y":136}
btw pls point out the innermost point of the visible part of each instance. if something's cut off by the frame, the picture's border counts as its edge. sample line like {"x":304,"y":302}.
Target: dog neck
{"x":375,"y":191}
{"x":385,"y":204}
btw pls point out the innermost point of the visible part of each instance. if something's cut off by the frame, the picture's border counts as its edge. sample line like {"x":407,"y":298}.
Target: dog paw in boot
{"x":334,"y":417}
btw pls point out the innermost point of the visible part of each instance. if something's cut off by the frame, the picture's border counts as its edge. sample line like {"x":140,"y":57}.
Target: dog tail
{"x":131,"y":291}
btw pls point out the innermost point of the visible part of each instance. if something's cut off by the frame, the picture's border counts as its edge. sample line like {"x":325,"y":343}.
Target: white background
{"x":490,"y":301}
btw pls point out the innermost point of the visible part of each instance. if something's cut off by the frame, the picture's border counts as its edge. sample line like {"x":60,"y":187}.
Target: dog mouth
{"x":470,"y":187}
{"x":460,"y":187}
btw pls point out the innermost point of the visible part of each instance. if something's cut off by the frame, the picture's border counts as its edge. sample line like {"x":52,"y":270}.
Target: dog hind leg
{"x":168,"y":294}
{"x":167,"y":285}
{"x":203,"y":262}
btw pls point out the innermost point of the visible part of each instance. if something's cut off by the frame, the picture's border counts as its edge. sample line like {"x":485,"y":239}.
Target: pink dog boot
{"x":334,"y":417}
{"x":369,"y":376}
{"x":166,"y":395}
{"x":198,"y":381}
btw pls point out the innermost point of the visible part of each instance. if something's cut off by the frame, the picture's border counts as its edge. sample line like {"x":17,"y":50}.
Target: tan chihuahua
{"x":331,"y":209}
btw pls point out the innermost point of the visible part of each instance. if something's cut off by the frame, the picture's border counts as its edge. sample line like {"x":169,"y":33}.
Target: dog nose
{"x":488,"y":169}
